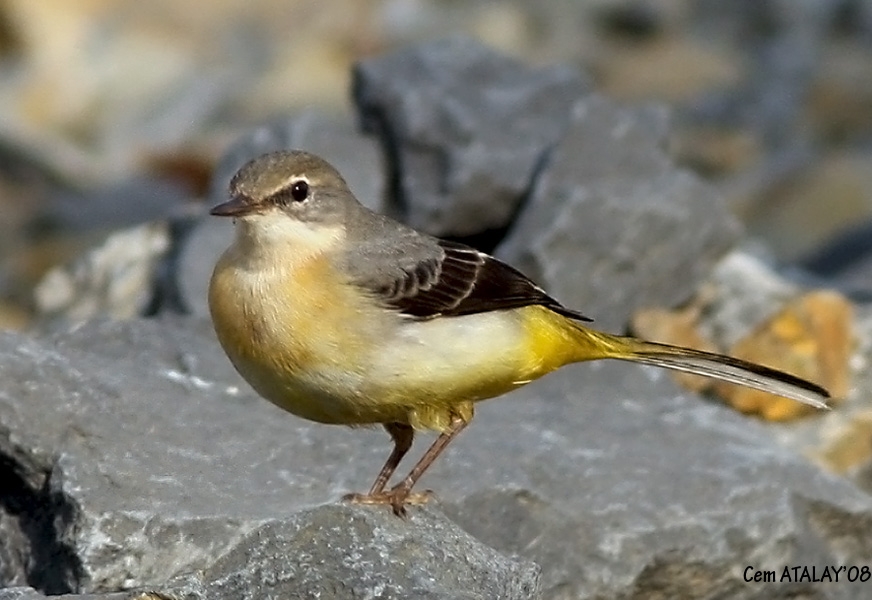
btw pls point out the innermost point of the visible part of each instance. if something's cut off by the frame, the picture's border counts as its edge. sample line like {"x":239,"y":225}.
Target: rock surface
{"x":26,"y":593}
{"x":132,"y":456}
{"x":743,"y":307}
{"x":124,"y":514}
{"x":753,"y":80}
{"x":153,"y":460}
{"x":747,"y":310}
{"x":845,"y":262}
{"x":115,"y":279}
{"x":611,"y":221}
{"x":356,"y":552}
{"x":465,"y":129}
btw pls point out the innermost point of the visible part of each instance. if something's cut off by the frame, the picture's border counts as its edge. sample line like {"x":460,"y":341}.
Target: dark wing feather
{"x":464,"y":281}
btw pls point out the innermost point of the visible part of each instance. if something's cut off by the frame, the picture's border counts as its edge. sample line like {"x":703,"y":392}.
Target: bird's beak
{"x":238,"y":206}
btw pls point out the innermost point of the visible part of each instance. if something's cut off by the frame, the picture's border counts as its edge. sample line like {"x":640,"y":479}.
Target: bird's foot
{"x":397,"y":497}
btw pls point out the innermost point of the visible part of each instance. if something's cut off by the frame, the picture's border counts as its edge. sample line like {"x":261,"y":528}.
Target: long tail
{"x":595,"y":344}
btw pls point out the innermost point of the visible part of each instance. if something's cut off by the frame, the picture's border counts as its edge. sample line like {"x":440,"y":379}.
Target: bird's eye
{"x":299,"y":190}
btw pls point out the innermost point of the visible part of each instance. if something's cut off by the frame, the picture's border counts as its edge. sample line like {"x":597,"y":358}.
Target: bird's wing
{"x":425,"y":277}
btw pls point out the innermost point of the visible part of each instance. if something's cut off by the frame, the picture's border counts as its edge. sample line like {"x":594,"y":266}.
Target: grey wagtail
{"x":340,"y":315}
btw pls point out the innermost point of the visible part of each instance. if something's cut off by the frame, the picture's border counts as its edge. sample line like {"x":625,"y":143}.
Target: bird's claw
{"x":397,"y":497}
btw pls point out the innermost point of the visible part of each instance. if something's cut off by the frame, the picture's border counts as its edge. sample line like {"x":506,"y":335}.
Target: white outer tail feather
{"x":732,"y":373}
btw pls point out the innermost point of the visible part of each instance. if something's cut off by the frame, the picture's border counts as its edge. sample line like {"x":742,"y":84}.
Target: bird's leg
{"x":400,"y":494}
{"x":402,"y":435}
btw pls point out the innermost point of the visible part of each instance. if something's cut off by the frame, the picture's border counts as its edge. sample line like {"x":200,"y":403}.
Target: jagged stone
{"x":156,"y":460}
{"x":612,"y":225}
{"x":465,"y":129}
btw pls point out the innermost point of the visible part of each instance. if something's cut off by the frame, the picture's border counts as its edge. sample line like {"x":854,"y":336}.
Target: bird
{"x":341,"y":315}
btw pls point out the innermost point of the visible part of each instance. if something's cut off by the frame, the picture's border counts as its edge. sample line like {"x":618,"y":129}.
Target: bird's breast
{"x":297,"y":334}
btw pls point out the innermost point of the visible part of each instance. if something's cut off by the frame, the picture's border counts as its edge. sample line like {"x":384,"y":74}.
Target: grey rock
{"x":137,"y":501}
{"x":782,"y":42}
{"x":123,"y":204}
{"x":27,"y":593}
{"x":20,"y":593}
{"x":855,"y":281}
{"x":357,"y":157}
{"x":612,"y":225}
{"x":843,"y":262}
{"x":356,"y":552}
{"x":465,"y":129}
{"x":199,"y":251}
{"x":645,"y":493}
{"x":741,"y":294}
{"x":839,"y":437}
{"x":161,"y":461}
{"x":864,"y":18}
{"x":114,"y":279}
{"x":745,"y":291}
{"x":346,"y":551}
{"x":14,"y":552}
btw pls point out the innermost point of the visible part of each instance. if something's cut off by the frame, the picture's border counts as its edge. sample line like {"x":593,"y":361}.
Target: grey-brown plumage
{"x":417,"y":274}
{"x":424,"y":277}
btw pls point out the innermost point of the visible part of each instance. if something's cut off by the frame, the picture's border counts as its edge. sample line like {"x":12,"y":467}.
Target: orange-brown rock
{"x":810,"y":337}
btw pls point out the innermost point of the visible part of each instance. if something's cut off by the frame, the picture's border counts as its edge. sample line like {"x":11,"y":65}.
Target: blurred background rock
{"x":115,"y":111}
{"x":553,"y":143}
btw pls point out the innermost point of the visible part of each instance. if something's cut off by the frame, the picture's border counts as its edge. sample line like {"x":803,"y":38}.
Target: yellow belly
{"x":294,"y":338}
{"x":325,"y":352}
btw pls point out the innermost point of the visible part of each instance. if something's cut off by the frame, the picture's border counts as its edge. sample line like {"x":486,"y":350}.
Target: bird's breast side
{"x":296,"y":337}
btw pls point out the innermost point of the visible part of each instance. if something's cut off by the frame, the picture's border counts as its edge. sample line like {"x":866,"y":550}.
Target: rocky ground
{"x":731,"y":214}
